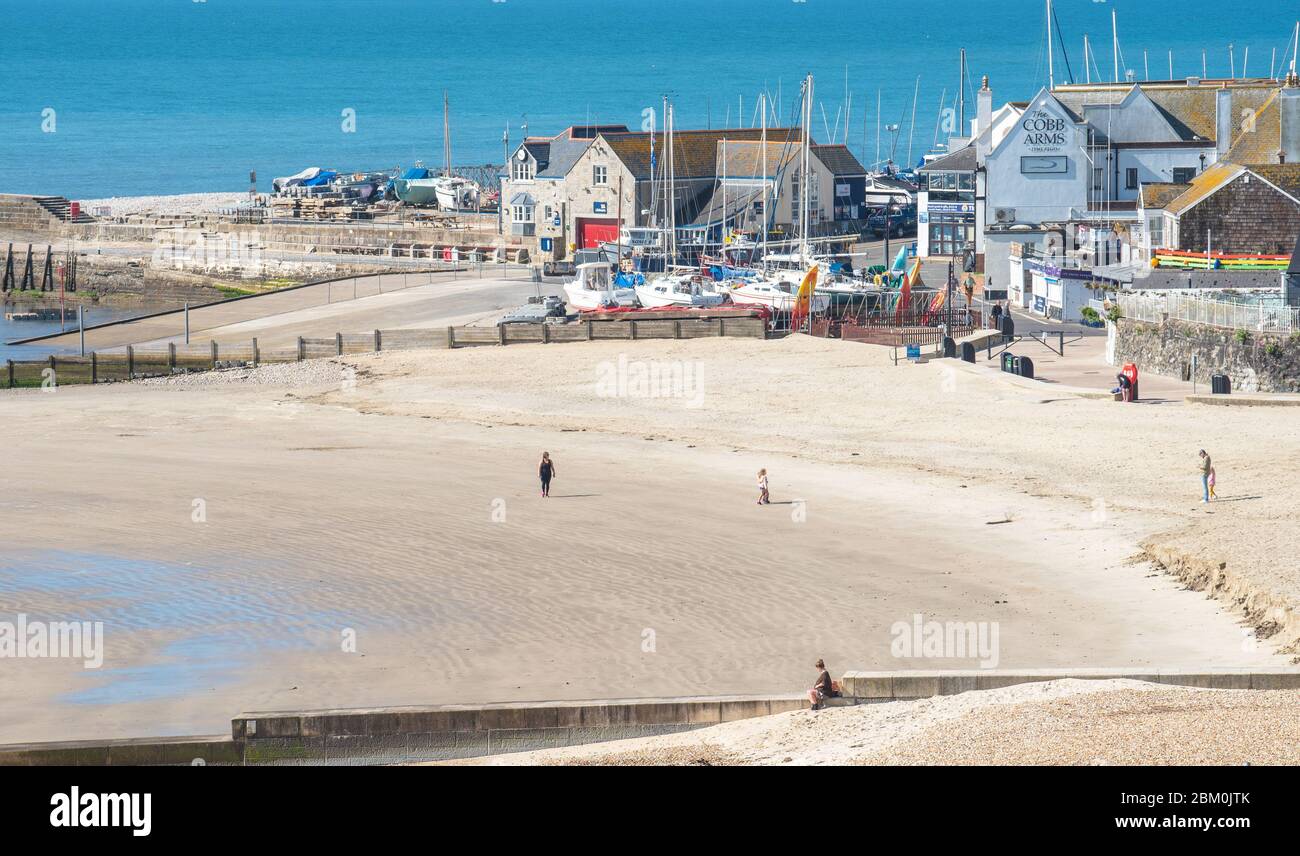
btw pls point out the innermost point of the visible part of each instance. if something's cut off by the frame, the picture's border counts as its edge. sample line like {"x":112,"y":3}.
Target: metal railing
{"x":1258,"y":316}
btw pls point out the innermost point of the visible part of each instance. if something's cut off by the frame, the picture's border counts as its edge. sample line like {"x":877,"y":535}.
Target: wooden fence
{"x":133,"y":362}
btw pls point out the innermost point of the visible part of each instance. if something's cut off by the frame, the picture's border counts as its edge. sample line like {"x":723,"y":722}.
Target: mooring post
{"x":130,"y":361}
{"x":257,"y":357}
{"x":379,"y":342}
{"x":214,"y":353}
{"x":501,"y":334}
{"x":451,"y":337}
{"x":590,"y":330}
{"x":187,"y":323}
{"x":632,"y":324}
{"x":546,"y":333}
{"x":300,"y":349}
{"x":11,"y":373}
{"x":171,"y":356}
{"x":94,"y":368}
{"x":338,"y":344}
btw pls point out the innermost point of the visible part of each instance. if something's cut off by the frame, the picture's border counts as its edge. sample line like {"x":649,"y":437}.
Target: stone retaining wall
{"x":1255,"y":362}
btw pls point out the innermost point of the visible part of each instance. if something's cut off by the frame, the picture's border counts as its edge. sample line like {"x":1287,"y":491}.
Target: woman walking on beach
{"x":763,"y":498}
{"x":1206,"y":469}
{"x":546,"y":472}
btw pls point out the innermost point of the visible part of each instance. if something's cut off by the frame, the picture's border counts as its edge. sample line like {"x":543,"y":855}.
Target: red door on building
{"x":592,"y":232}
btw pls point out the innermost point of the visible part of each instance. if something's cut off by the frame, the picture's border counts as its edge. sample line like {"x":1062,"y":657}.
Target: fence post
{"x":171,"y":357}
{"x":301,"y":349}
{"x":257,"y":358}
{"x":451,"y":337}
{"x":338,"y":344}
{"x":214,"y":354}
{"x":11,"y":373}
{"x":379,"y":342}
{"x":94,"y":368}
{"x":130,"y":361}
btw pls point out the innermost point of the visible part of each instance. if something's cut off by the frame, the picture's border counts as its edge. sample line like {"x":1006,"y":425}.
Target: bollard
{"x":171,"y":357}
{"x":94,"y":368}
{"x":301,"y":349}
{"x":338,"y":344}
{"x":379,"y":342}
{"x":214,"y":354}
{"x":257,"y":357}
{"x":130,"y":362}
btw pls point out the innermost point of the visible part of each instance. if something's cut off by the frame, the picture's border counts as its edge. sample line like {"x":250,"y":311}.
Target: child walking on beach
{"x":546,"y":472}
{"x":763,"y":498}
{"x":1210,"y":482}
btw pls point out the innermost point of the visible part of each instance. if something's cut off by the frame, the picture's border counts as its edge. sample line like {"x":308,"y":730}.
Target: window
{"x":1131,"y":178}
{"x":523,"y":213}
{"x":1184,"y":174}
{"x":1156,"y":231}
{"x":522,"y":170}
{"x":549,"y":213}
{"x":599,"y":175}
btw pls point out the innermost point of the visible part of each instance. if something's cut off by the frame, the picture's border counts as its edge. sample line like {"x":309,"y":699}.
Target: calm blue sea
{"x":172,"y":96}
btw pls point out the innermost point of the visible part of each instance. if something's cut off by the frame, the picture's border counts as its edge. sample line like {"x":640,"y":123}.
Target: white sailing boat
{"x":594,"y":288}
{"x":449,"y":192}
{"x":687,"y":291}
{"x":778,"y":293}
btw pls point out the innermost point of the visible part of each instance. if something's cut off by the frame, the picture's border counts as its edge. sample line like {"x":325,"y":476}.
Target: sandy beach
{"x":233,"y":531}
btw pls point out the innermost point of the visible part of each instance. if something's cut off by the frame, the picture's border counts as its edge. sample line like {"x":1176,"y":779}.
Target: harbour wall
{"x":442,"y":732}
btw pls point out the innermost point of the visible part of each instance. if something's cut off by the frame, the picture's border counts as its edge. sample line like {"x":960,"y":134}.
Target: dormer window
{"x":523,"y":167}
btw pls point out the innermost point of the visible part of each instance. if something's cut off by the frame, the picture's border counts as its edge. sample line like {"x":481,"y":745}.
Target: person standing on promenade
{"x":822,"y":689}
{"x":546,"y":472}
{"x":1206,"y":469}
{"x":763,"y":498}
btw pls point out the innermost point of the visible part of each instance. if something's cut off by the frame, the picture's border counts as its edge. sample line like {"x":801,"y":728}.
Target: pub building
{"x":1060,"y":177}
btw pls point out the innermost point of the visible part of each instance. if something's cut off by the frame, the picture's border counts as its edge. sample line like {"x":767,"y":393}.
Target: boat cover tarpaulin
{"x":322,"y":177}
{"x":415,"y":172}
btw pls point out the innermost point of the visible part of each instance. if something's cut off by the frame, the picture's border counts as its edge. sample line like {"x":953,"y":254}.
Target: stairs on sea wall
{"x":36,"y":213}
{"x":61,"y":209}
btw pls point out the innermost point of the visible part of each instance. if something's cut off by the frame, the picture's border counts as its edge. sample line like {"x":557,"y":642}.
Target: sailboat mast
{"x":446,"y":137}
{"x":763,"y":149}
{"x":1114,"y":42}
{"x":1051,"y":69}
{"x":804,"y":166}
{"x":672,"y":191}
{"x":1087,"y":69}
{"x":961,"y":97}
{"x":911,"y":128}
{"x":877,"y":129}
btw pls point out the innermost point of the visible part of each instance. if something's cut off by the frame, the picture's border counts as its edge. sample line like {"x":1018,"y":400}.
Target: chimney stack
{"x":1222,"y":120}
{"x":1289,"y":107}
{"x":984,"y":118}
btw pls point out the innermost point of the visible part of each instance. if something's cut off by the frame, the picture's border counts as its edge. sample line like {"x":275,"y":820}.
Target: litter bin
{"x":1220,"y":384}
{"x":1009,"y":363}
{"x":968,"y":352}
{"x":1025,"y":367}
{"x":949,"y":346}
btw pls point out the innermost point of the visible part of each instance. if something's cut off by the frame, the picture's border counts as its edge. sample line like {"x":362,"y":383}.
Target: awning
{"x":522,"y":199}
